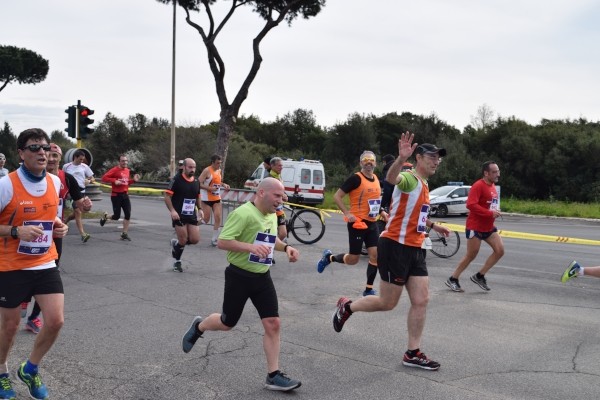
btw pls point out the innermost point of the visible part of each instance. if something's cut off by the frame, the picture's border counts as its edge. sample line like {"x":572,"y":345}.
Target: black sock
{"x":479,"y":276}
{"x":412,"y":353}
{"x":453,"y":279}
{"x":371,"y":275}
{"x":35,"y":312}
{"x":179,"y":251}
{"x":338,"y":258}
{"x":198,"y":329}
{"x":347,"y":308}
{"x":272,"y":374}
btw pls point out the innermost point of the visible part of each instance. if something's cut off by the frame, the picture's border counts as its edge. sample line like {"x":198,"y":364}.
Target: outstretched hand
{"x":405,"y":145}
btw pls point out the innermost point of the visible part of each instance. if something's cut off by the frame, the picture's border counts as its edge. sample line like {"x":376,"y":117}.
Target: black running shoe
{"x":420,"y":360}
{"x":480,"y":281}
{"x":191,"y":335}
{"x":341,"y":315}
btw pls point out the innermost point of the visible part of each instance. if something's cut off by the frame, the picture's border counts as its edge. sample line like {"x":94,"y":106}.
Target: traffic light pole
{"x":77,"y":129}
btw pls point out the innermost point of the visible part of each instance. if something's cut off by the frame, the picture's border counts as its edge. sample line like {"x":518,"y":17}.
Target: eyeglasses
{"x":34,"y":148}
{"x":368,"y":159}
{"x":435,"y":158}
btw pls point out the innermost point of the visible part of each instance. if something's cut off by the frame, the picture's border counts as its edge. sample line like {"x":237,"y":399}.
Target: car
{"x":449,"y":199}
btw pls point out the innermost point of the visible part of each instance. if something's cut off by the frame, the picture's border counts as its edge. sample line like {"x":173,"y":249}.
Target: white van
{"x":304,"y":180}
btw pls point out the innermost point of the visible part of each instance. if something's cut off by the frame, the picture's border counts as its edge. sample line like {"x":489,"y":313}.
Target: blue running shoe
{"x":324,"y":261}
{"x":281,"y":382}
{"x":6,"y":389}
{"x":37,"y":390}
{"x":571,"y":272}
{"x":369,"y":292}
{"x":191,"y":335}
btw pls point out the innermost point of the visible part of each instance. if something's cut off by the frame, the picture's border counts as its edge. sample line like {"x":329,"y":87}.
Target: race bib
{"x":494,"y":206}
{"x":265,"y":239}
{"x":42,"y":244}
{"x":422,"y":225}
{"x":374,"y":205}
{"x":216,"y":190}
{"x":189,"y":207}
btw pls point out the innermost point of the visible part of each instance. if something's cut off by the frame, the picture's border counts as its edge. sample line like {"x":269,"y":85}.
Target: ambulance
{"x":304,"y":180}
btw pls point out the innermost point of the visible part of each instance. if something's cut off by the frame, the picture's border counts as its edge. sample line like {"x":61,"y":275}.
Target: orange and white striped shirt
{"x":408,"y":211}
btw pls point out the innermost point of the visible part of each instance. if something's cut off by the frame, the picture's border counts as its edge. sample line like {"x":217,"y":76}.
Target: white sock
{"x":4,"y":368}
{"x":580,"y":271}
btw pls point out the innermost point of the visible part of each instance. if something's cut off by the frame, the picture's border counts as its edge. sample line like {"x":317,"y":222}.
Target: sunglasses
{"x":34,"y":148}
{"x":368,"y":159}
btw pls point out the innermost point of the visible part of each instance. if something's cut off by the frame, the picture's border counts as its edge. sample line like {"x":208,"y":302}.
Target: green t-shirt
{"x":408,"y":183}
{"x":244,"y":224}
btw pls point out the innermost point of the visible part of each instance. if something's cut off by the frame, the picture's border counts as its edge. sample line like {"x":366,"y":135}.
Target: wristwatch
{"x":14,"y":232}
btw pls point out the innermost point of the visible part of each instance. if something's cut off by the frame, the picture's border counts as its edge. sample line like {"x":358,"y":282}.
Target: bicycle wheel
{"x":306,"y":226}
{"x":442,"y":246}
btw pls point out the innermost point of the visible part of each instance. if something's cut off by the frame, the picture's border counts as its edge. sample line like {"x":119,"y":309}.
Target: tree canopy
{"x":21,"y":66}
{"x":273,"y":12}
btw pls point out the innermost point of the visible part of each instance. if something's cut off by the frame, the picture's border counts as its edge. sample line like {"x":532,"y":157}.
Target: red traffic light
{"x":84,"y":112}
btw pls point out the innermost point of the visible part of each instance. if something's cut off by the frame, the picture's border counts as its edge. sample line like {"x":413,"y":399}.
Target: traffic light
{"x":85,"y":121}
{"x":71,"y":121}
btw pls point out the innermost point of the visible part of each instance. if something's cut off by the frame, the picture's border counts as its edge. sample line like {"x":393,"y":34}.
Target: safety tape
{"x":531,"y":236}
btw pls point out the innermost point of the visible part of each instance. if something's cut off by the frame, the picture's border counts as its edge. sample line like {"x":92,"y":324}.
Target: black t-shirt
{"x":184,"y":196}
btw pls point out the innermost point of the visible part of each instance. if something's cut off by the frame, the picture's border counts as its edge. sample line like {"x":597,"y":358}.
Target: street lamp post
{"x":172,"y":164}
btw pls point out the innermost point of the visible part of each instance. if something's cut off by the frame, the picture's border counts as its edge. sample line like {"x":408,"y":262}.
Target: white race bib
{"x":42,"y":244}
{"x":422,"y":225}
{"x":189,"y":207}
{"x":374,"y":205}
{"x":265,"y":239}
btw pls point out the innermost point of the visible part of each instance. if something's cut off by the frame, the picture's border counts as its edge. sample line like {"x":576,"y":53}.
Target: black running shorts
{"x":241,"y":285}
{"x":356,"y":237}
{"x":17,"y":287}
{"x":397,"y":262}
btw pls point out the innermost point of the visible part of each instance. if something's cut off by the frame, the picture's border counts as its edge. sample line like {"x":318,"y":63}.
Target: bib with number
{"x":188,"y":207}
{"x":422,"y":225}
{"x":42,"y":244}
{"x":264,"y":239}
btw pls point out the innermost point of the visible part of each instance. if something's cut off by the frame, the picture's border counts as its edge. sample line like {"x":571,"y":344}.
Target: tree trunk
{"x":226,"y":128}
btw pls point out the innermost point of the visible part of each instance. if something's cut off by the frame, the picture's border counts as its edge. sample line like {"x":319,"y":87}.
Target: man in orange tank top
{"x":364,"y":191}
{"x":400,"y":258}
{"x":28,"y":222}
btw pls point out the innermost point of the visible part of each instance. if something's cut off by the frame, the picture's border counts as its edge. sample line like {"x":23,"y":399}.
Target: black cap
{"x":388,"y":158}
{"x":430,"y":148}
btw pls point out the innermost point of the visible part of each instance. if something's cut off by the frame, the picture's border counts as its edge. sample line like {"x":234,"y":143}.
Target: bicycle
{"x":442,"y":246}
{"x":306,"y":225}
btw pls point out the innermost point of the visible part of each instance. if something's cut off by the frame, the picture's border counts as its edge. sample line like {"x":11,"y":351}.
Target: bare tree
{"x":273,"y":12}
{"x":21,"y":65}
{"x":484,"y":118}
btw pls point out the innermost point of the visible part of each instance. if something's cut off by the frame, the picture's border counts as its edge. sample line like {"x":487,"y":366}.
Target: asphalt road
{"x":530,"y":337}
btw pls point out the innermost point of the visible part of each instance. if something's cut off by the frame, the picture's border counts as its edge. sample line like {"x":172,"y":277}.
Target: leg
{"x":418,"y":292}
{"x":213,"y":323}
{"x":217,"y":212}
{"x":371,"y":270}
{"x":592,"y":271}
{"x":53,"y":308}
{"x":192,"y":233}
{"x":389,"y":295}
{"x":127,"y":212}
{"x":473,"y":246}
{"x":206,"y":210}
{"x":78,"y":222}
{"x":272,"y":342}
{"x":495,"y":242}
{"x":9,"y":325}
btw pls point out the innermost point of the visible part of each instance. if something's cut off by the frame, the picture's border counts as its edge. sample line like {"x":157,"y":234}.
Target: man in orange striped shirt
{"x":400,"y":258}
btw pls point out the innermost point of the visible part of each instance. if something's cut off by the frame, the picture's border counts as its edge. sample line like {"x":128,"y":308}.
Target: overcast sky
{"x":531,"y":59}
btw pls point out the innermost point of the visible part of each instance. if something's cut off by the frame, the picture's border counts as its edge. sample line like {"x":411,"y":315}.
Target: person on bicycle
{"x":365,"y":199}
{"x":483,"y":205}
{"x":276,"y":165}
{"x":401,"y":260}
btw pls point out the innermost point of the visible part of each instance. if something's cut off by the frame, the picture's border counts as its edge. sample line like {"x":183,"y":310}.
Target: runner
{"x":211,"y":183}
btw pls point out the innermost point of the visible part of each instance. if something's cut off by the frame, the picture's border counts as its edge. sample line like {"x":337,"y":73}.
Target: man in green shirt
{"x":250,"y":238}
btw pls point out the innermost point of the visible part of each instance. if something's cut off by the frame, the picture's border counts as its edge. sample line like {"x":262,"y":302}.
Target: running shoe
{"x":37,"y":390}
{"x":24,"y":309}
{"x":281,"y":382}
{"x":369,"y":292}
{"x":173,"y":251}
{"x":324,"y":261}
{"x":454,"y":285}
{"x":103,"y":219}
{"x":34,"y":325}
{"x":191,"y":335}
{"x":571,"y":272}
{"x":125,"y":236}
{"x":85,"y":237}
{"x":480,"y":281}
{"x":341,"y":315}
{"x":420,"y":360}
{"x":177,"y":266}
{"x":6,"y":389}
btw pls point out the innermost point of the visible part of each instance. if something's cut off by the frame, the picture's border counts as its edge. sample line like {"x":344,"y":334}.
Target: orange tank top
{"x":25,"y":209}
{"x":365,"y":200}
{"x":214,"y":181}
